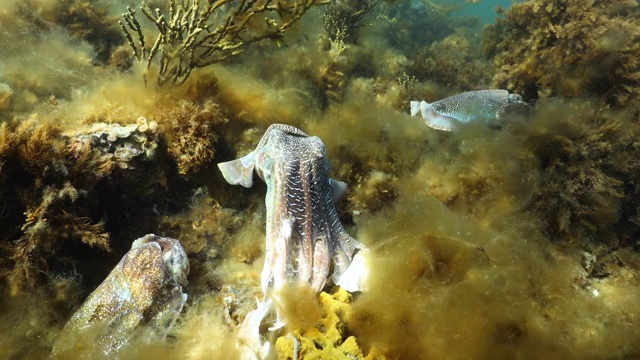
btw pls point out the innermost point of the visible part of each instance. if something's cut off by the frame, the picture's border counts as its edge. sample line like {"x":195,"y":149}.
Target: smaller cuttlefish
{"x":142,"y":296}
{"x":304,"y":233}
{"x":448,"y":113}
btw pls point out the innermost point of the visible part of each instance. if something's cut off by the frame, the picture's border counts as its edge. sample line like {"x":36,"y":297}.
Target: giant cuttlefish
{"x":448,"y":113}
{"x":303,"y":229}
{"x":142,"y":295}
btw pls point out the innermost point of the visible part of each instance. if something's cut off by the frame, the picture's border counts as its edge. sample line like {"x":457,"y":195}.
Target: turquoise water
{"x":483,"y":9}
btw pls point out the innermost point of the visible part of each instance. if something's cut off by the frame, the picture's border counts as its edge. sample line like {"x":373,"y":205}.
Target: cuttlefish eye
{"x":175,"y":259}
{"x":515,"y":98}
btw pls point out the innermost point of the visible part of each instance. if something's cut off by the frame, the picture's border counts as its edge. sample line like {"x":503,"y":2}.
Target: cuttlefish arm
{"x":433,"y":119}
{"x":251,"y":344}
{"x":354,"y":277}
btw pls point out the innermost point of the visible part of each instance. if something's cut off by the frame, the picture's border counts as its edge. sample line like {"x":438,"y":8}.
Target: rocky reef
{"x":452,"y":62}
{"x":63,"y":194}
{"x":585,"y":165}
{"x":517,"y":241}
{"x":569,"y":49}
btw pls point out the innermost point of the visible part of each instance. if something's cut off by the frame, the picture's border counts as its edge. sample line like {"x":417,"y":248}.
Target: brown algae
{"x":485,"y":243}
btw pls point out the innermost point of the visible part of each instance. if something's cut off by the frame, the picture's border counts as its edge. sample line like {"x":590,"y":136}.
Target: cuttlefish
{"x":447,"y":114}
{"x":142,"y":296}
{"x":304,"y":233}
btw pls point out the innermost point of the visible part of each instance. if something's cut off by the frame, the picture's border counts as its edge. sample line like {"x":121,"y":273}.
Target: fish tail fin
{"x":415,"y":107}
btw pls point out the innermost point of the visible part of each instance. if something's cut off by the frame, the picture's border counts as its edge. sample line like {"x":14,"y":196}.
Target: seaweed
{"x":410,"y":25}
{"x":452,"y":62}
{"x":204,"y":230}
{"x":588,"y":188}
{"x":49,"y":187}
{"x":84,"y":21}
{"x":73,"y":190}
{"x":345,"y":56}
{"x":342,"y":18}
{"x":191,"y":133}
{"x":344,"y":62}
{"x":57,"y":63}
{"x":193,"y":36}
{"x":571,"y":49}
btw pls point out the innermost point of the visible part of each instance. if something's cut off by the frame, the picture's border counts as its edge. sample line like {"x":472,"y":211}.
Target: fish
{"x":447,"y":114}
{"x":142,"y":296}
{"x":303,"y":232}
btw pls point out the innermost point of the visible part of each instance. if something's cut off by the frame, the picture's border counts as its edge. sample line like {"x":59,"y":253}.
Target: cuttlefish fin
{"x":415,"y":107}
{"x":439,"y":121}
{"x":431,"y":117}
{"x":239,"y":171}
{"x":338,"y":189}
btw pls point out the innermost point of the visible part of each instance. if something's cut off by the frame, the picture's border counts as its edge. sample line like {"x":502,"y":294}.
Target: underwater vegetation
{"x":510,"y":241}
{"x":452,"y":62}
{"x":61,"y":179}
{"x":49,"y":79}
{"x":191,"y":37}
{"x":588,"y":186}
{"x":83,"y":20}
{"x":569,"y":49}
{"x":342,"y":19}
{"x":411,"y":25}
{"x":192,"y":133}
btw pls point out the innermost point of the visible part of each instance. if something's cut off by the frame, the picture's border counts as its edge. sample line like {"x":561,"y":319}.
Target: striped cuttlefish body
{"x":304,"y":233}
{"x":447,"y":114}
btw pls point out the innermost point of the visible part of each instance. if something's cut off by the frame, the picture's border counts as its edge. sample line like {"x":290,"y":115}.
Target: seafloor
{"x":515,"y":241}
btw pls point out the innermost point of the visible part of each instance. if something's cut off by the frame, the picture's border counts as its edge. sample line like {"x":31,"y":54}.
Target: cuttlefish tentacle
{"x":249,"y":333}
{"x":321,"y":264}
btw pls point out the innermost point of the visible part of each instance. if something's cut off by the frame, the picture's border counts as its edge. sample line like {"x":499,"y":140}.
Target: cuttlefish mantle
{"x":481,"y":105}
{"x":303,"y":232}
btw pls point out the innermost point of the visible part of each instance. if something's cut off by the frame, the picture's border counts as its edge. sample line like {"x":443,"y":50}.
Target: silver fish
{"x":143,"y":291}
{"x":303,"y":230}
{"x":448,"y":113}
